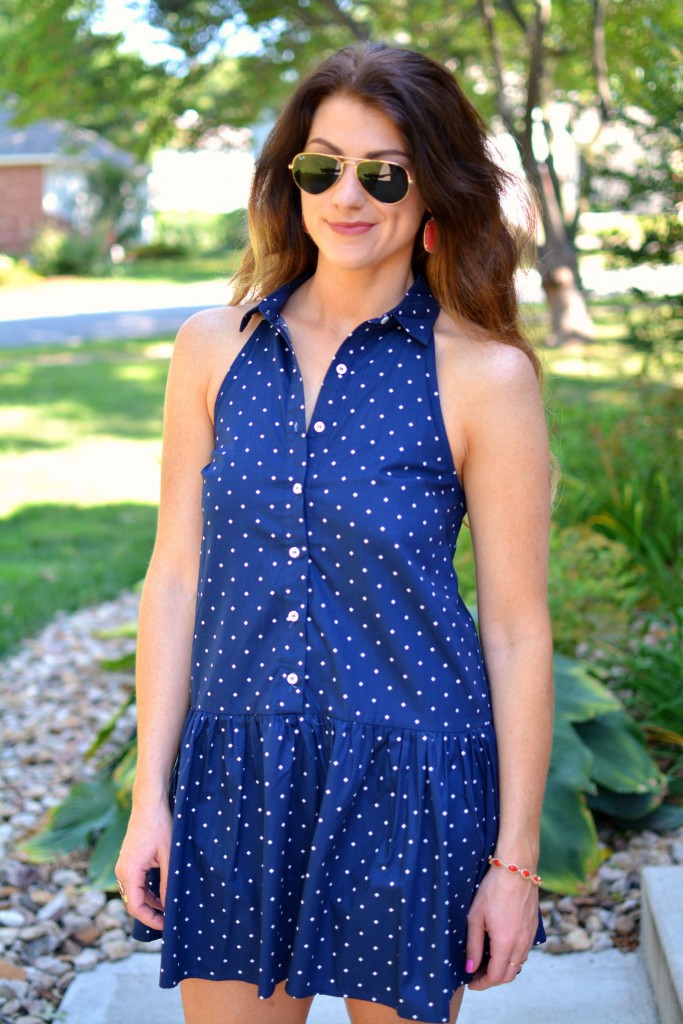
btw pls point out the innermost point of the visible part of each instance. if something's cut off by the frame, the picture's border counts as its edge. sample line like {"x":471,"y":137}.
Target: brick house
{"x":43,"y":177}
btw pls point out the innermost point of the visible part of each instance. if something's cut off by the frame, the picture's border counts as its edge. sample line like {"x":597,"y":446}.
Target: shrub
{"x":58,"y":251}
{"x":647,"y":239}
{"x":195,"y":233}
{"x":7,"y":268}
{"x":647,"y":673}
{"x":157,"y":250}
{"x":655,"y":330}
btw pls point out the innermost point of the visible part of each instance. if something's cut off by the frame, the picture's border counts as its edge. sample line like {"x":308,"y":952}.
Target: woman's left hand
{"x":504,"y":911}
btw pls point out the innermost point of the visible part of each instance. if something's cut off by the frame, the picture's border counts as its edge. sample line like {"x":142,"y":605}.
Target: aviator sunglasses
{"x":384,"y":181}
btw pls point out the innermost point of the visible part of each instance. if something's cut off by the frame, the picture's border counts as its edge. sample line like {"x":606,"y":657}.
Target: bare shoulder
{"x":488,"y":391}
{"x":206,"y":346}
{"x":217,"y":327}
{"x":480,"y":365}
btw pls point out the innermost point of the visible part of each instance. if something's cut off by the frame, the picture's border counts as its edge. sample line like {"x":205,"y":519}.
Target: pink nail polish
{"x":469,"y":966}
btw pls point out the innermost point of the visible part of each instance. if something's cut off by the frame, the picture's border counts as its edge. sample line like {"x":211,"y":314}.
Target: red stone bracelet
{"x":514,"y":869}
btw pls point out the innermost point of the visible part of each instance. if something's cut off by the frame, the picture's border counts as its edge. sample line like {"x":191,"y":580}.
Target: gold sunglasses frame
{"x":354,"y":161}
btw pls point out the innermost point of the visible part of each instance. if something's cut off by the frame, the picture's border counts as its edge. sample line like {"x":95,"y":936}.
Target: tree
{"x":518,"y":58}
{"x":54,"y":66}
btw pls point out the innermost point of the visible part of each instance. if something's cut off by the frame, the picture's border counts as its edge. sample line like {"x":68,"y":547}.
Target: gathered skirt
{"x":340,"y":856}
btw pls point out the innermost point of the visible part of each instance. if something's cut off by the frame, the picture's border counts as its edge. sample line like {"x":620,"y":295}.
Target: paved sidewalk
{"x":576,"y":988}
{"x":69,"y":311}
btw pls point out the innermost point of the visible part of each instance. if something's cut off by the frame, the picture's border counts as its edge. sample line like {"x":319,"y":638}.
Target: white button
{"x":341,"y":369}
{"x":292,"y":616}
{"x":318,"y":426}
{"x":294,"y":552}
{"x":297,"y":488}
{"x":292,"y":679}
{"x":384,"y":320}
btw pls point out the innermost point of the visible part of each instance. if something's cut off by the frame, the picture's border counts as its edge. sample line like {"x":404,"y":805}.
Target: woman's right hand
{"x":147,"y":844}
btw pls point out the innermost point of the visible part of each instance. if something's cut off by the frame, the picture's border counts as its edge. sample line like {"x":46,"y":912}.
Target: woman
{"x":340,"y":788}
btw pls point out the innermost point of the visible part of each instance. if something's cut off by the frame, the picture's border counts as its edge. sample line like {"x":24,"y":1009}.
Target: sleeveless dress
{"x":336,"y":792}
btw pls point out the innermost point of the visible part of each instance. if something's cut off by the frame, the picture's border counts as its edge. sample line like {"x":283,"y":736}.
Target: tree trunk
{"x":559,"y":268}
{"x":569,"y":316}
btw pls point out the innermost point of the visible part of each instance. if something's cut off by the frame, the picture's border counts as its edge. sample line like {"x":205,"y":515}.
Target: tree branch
{"x":511,"y":7}
{"x":357,"y":30}
{"x":600,"y":58}
{"x":502,"y":106}
{"x":535,"y":38}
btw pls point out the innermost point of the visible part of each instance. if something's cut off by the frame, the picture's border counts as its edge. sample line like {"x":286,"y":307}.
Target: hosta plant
{"x":599,"y":762}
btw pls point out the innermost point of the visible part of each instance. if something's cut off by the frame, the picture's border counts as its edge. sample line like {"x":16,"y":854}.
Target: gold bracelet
{"x":514,"y":869}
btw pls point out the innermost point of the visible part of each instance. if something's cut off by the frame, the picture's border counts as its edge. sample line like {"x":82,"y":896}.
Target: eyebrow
{"x":369,"y":156}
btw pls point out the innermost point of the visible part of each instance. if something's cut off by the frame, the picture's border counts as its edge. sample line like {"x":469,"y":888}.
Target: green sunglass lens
{"x":315,"y":174}
{"x":388,"y":183}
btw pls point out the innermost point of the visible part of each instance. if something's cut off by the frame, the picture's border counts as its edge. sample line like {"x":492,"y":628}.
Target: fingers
{"x":139,"y":900}
{"x":498,"y":970}
{"x":163,"y":877}
{"x":476,"y":938}
{"x":142,"y":904}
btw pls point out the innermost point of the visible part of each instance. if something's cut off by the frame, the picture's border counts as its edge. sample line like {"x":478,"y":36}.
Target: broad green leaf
{"x":106,"y":851}
{"x":129,"y":629}
{"x":124,"y":774}
{"x":624,"y":807}
{"x":88,"y":808}
{"x":87,"y":803}
{"x":571,"y":763}
{"x":569,"y":842}
{"x":621,"y":762}
{"x":126,"y":661}
{"x":664,"y":818}
{"x":569,"y":846}
{"x":108,"y":728}
{"x":578,"y":696}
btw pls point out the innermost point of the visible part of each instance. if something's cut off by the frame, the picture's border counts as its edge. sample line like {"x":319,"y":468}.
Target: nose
{"x":348,"y":190}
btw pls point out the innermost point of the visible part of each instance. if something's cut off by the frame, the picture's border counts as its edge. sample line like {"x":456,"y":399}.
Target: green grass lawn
{"x":168,"y":270}
{"x":179,"y":271}
{"x":79,"y":459}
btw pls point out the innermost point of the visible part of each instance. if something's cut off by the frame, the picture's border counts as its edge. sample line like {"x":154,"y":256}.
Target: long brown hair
{"x":471,"y":274}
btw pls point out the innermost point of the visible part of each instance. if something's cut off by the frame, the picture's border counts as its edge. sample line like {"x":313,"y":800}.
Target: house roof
{"x":46,"y":142}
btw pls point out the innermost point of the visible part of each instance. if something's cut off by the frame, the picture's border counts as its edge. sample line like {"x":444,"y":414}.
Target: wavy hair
{"x":471,"y":274}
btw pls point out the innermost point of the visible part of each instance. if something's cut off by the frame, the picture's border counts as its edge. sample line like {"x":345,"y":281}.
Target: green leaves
{"x":94,"y":815}
{"x":599,"y":762}
{"x":578,"y":696}
{"x":620,"y":760}
{"x":89,"y":810}
{"x":569,"y":842}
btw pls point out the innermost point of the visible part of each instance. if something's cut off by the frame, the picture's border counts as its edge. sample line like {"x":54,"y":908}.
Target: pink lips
{"x":356,"y":227}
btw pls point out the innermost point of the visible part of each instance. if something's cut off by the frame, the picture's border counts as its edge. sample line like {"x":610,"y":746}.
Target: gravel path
{"x":55,"y":696}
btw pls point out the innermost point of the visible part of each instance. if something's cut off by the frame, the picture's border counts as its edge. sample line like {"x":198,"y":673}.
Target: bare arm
{"x":504,"y":463}
{"x":202,"y":354}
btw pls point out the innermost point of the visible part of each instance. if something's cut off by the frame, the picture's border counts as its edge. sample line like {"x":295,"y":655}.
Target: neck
{"x":342,"y":299}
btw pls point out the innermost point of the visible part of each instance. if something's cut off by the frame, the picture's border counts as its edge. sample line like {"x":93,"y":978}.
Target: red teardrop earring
{"x":429,"y":236}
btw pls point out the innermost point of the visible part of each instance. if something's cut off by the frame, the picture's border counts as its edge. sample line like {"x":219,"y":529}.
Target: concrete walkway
{"x":70,"y":312}
{"x":577,"y":988}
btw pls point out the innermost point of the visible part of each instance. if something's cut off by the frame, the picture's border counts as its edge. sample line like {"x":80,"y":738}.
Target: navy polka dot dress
{"x":336,"y":793}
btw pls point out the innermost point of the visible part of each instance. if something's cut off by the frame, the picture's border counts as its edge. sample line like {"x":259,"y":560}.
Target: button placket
{"x":295,"y":582}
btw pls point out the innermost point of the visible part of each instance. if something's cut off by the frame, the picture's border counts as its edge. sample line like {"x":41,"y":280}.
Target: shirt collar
{"x":416,"y":313}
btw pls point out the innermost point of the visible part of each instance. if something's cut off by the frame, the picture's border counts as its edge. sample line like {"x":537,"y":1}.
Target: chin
{"x":350,"y":260}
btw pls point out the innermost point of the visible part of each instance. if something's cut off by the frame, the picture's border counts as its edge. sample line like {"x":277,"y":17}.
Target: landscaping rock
{"x":51,"y":927}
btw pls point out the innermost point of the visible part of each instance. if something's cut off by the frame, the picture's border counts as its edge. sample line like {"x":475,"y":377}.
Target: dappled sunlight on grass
{"x":63,"y":557}
{"x":178,"y":270}
{"x":98,"y":394}
{"x":613,"y":362}
{"x":90,"y":471}
{"x":80,"y":464}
